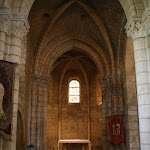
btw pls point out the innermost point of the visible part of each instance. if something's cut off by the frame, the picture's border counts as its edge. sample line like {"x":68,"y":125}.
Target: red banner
{"x":116,"y":130}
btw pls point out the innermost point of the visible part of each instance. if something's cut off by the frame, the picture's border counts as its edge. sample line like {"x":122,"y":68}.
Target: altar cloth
{"x":75,"y":141}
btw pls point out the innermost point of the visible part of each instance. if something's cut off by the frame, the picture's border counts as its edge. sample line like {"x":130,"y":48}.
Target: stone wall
{"x":96,"y":113}
{"x":52,"y":111}
{"x":74,"y":117}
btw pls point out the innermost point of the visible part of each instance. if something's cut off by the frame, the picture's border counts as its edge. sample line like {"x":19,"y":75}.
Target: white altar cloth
{"x":75,"y":141}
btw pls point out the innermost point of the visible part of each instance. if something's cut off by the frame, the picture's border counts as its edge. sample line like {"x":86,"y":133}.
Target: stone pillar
{"x":138,"y":32}
{"x":16,"y":48}
{"x":105,"y":108}
{"x":112,"y":95}
{"x":13,"y":30}
{"x":130,"y":100}
{"x":116,"y":88}
{"x":39,"y":112}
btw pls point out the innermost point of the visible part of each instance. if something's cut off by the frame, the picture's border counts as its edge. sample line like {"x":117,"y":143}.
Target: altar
{"x":74,"y":141}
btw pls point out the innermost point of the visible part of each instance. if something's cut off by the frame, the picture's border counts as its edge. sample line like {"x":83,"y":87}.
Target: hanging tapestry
{"x":6,"y":97}
{"x":116,"y":129}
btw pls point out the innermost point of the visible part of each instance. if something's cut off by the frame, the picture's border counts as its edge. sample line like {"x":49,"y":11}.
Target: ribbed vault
{"x":76,"y":24}
{"x":130,"y":6}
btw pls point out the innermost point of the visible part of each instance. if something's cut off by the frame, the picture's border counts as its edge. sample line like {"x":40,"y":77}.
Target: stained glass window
{"x":74,"y":91}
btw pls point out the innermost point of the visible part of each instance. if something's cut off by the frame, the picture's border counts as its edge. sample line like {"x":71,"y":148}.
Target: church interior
{"x":74,"y":75}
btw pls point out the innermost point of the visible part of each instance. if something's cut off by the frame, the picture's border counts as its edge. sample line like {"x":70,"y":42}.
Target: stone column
{"x":13,"y":30}
{"x":116,"y":88}
{"x":104,"y":82}
{"x":39,"y":112}
{"x":15,"y":50}
{"x":114,"y":93}
{"x":117,"y":107}
{"x":137,"y":31}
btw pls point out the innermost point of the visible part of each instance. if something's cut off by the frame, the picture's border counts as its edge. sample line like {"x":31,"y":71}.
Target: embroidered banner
{"x":6,"y":97}
{"x":116,"y":130}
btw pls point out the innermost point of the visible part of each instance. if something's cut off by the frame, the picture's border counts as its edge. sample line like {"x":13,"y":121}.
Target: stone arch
{"x":51,"y":57}
{"x":102,"y":30}
{"x":81,"y":40}
{"x":64,"y":38}
{"x":130,"y":7}
{"x":95,"y":18}
{"x":121,"y":51}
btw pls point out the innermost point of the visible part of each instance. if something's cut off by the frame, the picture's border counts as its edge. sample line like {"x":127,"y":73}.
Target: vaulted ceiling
{"x":88,"y":24}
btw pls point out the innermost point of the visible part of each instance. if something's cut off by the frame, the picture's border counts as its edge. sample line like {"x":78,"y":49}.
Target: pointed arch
{"x":65,"y":38}
{"x":93,"y":15}
{"x":131,"y":7}
{"x":43,"y":67}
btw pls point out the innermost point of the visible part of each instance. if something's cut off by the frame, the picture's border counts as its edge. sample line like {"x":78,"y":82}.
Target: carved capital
{"x":18,"y":29}
{"x":39,"y":80}
{"x":5,"y":24}
{"x":16,"y":23}
{"x":134,"y":27}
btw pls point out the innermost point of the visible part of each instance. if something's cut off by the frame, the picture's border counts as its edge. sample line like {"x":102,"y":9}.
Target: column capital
{"x":14,"y":24}
{"x":40,"y":80}
{"x":18,"y":29}
{"x":5,"y":21}
{"x":134,"y":27}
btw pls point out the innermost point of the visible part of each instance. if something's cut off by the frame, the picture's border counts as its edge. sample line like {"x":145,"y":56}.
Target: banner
{"x":6,"y":97}
{"x":116,"y":130}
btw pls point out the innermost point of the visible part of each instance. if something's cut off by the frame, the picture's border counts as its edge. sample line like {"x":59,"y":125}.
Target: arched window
{"x":74,"y":91}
